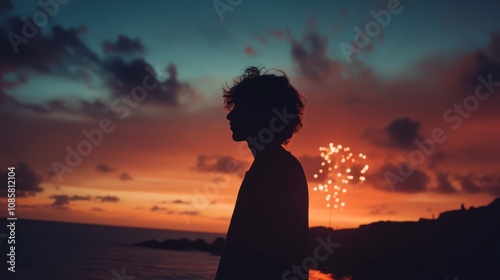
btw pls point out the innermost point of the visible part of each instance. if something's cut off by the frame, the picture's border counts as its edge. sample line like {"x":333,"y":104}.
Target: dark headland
{"x":460,"y":244}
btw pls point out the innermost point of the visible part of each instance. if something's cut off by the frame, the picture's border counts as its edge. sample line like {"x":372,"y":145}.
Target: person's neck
{"x":264,"y":149}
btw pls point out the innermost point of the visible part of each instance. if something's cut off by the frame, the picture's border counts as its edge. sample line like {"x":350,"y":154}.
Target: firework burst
{"x":339,"y":168}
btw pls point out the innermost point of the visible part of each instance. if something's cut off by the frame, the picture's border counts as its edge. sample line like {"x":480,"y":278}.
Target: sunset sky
{"x":430,"y":71}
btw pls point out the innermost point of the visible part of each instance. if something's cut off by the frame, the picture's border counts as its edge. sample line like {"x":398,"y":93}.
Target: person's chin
{"x":238,"y":137}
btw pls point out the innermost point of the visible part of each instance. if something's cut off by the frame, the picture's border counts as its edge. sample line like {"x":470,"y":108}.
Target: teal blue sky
{"x":191,"y":35}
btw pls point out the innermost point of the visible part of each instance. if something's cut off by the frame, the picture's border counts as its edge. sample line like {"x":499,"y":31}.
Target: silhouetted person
{"x":268,"y":236}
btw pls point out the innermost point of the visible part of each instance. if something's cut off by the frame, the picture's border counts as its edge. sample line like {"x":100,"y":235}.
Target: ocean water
{"x":67,"y":251}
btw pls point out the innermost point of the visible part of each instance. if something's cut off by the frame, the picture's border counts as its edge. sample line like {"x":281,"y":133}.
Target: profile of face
{"x":245,"y":122}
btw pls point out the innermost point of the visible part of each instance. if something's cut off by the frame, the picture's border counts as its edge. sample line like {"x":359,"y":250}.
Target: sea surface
{"x":68,"y":251}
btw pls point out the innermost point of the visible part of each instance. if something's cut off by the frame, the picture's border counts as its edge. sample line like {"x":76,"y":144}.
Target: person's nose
{"x":229,"y":115}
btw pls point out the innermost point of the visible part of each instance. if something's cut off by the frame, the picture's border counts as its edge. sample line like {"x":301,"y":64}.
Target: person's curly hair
{"x":264,"y":91}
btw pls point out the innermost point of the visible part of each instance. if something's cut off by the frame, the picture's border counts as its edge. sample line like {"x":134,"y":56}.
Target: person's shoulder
{"x":281,"y":160}
{"x":293,"y":160}
{"x":292,"y":163}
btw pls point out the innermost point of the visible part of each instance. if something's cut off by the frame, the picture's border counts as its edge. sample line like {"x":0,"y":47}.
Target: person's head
{"x":264,"y":106}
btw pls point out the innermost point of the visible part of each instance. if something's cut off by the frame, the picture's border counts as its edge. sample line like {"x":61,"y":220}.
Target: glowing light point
{"x":340,"y":159}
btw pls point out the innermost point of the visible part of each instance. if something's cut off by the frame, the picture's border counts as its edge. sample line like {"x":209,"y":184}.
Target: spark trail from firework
{"x":340,"y":168}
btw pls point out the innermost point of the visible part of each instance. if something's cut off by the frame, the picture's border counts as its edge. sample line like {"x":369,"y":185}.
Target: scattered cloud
{"x":190,"y":213}
{"x":224,"y":164}
{"x":249,"y":51}
{"x":103,"y":167}
{"x":125,"y":176}
{"x":63,"y":199}
{"x":107,"y":198}
{"x":400,"y":133}
{"x":180,"y":201}
{"x":123,"y":45}
{"x":444,"y":184}
{"x":27,"y":181}
{"x":157,"y":208}
{"x":381,"y":209}
{"x":388,"y":178}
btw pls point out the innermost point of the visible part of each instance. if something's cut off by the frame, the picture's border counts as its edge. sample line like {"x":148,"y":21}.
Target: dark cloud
{"x":123,"y":45}
{"x":60,"y":52}
{"x":5,"y":6}
{"x":436,"y":158}
{"x":190,"y":213}
{"x":157,"y":208}
{"x":26,"y":179}
{"x":483,"y":62}
{"x":122,"y":77}
{"x":403,"y":132}
{"x":468,"y":184}
{"x":63,"y":199}
{"x":388,"y":178}
{"x":472,"y":183}
{"x":57,"y":52}
{"x":103,"y":167}
{"x":444,"y":184}
{"x":125,"y":176}
{"x":419,"y":181}
{"x":93,"y":108}
{"x":107,"y":198}
{"x":225,"y":164}
{"x":180,"y":201}
{"x":311,"y":55}
{"x":399,"y":133}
